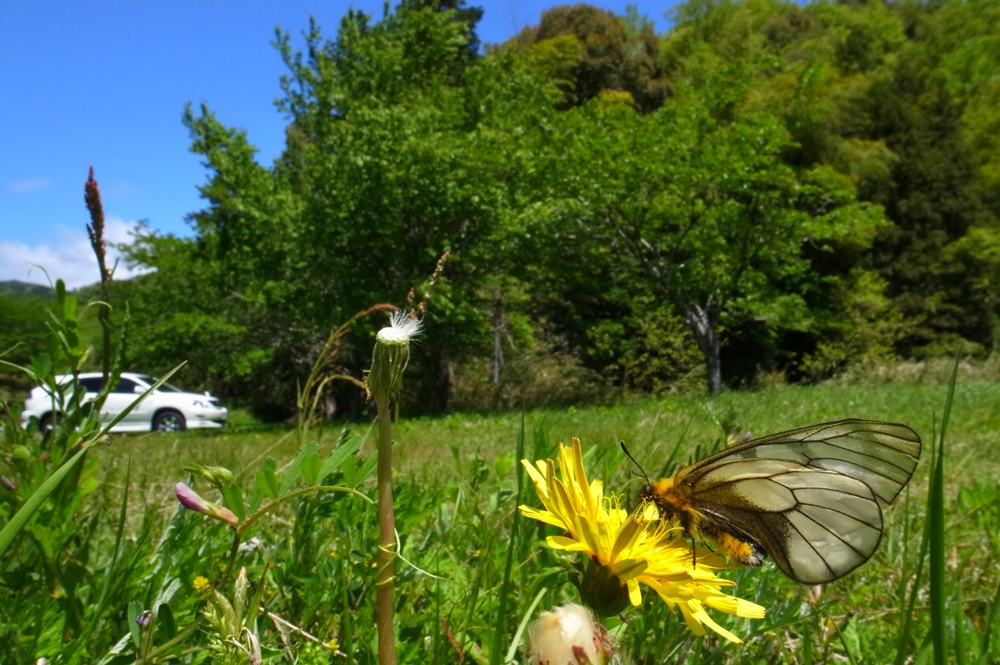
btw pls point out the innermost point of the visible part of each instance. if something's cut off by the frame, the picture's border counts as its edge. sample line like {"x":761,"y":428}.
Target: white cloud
{"x":28,"y":185}
{"x":69,"y":257}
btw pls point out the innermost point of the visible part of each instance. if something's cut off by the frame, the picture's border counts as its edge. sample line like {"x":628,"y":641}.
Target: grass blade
{"x":35,"y":501}
{"x":994,"y":611}
{"x":936,"y":519}
{"x":500,"y":634}
{"x":509,"y":658}
{"x":903,"y":643}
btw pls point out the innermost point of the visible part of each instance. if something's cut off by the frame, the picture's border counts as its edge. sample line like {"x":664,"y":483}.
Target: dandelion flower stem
{"x":384,"y":381}
{"x":387,"y":536}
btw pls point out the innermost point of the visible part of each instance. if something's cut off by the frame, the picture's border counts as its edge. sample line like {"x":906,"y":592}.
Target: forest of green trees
{"x":591,"y":208}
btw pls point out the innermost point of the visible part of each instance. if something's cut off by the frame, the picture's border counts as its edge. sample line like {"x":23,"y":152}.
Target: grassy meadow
{"x":805,"y":187}
{"x":457,"y":486}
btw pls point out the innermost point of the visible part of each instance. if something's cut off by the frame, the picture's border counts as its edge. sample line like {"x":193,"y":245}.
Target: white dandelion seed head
{"x":402,"y":328}
{"x":391,"y":355}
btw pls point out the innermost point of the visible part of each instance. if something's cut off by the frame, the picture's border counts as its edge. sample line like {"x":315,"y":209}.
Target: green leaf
{"x":991,"y":618}
{"x":350,"y":467}
{"x":166,"y":626}
{"x":254,"y":605}
{"x":296,"y":468}
{"x":134,"y":610}
{"x":339,"y":455}
{"x":46,"y":538}
{"x":310,"y":468}
{"x":233,"y":494}
{"x":500,"y":634}
{"x":354,"y":476}
{"x":267,"y":481}
{"x":35,"y":501}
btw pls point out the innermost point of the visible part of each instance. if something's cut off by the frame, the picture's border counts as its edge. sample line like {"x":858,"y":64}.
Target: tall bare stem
{"x":384,"y":381}
{"x":387,"y":537}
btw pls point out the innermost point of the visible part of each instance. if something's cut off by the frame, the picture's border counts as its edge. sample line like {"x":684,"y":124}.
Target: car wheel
{"x":169,"y":421}
{"x":46,"y":423}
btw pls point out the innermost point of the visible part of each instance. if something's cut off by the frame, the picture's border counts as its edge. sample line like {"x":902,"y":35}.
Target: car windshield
{"x":166,"y":387}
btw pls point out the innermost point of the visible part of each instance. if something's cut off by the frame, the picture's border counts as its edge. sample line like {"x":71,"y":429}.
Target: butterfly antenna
{"x":629,"y":455}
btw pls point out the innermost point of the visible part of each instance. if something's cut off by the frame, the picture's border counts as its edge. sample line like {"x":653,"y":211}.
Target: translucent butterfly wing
{"x":816,"y":525}
{"x":881,"y":455}
{"x":811,"y":497}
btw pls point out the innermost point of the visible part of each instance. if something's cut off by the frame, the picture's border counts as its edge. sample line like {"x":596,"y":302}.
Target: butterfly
{"x":811,"y":498}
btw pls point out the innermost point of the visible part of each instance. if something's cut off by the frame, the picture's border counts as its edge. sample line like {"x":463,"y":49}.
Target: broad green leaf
{"x":339,"y":455}
{"x":355,"y":476}
{"x":233,"y":494}
{"x":310,"y":468}
{"x":267,"y":481}
{"x":350,"y":467}
{"x":295,"y":470}
{"x":134,"y":610}
{"x":166,"y":625}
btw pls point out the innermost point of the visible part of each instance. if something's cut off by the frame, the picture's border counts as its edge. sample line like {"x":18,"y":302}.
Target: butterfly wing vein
{"x":811,"y":497}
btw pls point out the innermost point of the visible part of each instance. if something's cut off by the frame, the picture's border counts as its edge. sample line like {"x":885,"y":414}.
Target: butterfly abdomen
{"x":737,"y":547}
{"x":674,"y":504}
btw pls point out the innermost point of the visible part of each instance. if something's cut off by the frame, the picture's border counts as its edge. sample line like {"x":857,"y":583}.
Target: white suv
{"x":167,"y":409}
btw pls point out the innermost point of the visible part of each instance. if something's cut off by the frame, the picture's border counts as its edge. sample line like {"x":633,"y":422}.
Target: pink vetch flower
{"x":626,"y":551}
{"x":190,"y":500}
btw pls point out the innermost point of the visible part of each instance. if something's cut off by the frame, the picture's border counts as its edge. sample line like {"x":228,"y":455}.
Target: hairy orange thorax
{"x":672,"y":502}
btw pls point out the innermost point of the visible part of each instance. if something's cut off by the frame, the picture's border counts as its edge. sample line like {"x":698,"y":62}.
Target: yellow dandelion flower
{"x":628,"y":550}
{"x":201,"y":584}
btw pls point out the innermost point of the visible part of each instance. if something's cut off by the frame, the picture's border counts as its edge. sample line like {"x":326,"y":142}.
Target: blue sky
{"x":105,"y":84}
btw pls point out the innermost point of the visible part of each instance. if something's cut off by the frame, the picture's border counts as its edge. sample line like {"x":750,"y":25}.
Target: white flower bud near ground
{"x":240,"y":590}
{"x":568,"y":635}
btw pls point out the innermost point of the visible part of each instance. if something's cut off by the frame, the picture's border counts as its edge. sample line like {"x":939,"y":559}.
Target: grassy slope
{"x":651,"y":427}
{"x":434,"y":455}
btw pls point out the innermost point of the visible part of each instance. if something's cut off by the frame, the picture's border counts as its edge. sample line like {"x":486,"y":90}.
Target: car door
{"x":92,"y":384}
{"x":126,"y":392}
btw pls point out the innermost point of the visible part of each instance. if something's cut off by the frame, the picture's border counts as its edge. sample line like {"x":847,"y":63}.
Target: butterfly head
{"x":648,"y":491}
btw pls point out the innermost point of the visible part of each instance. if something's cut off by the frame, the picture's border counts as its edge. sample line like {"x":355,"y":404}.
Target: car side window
{"x":92,"y":384}
{"x":126,"y":386}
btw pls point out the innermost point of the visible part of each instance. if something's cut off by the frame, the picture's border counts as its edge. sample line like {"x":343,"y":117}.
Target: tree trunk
{"x":704,"y":325}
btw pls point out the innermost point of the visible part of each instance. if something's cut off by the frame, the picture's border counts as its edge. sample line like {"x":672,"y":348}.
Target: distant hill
{"x":16,"y":288}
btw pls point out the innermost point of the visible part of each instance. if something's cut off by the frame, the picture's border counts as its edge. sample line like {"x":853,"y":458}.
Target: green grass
{"x":456,"y":497}
{"x":90,"y":562}
{"x":651,"y":427}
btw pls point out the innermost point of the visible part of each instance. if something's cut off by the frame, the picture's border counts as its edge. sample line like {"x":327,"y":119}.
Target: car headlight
{"x":201,"y":404}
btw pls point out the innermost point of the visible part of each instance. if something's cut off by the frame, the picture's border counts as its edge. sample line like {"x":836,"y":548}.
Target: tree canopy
{"x":768,"y":186}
